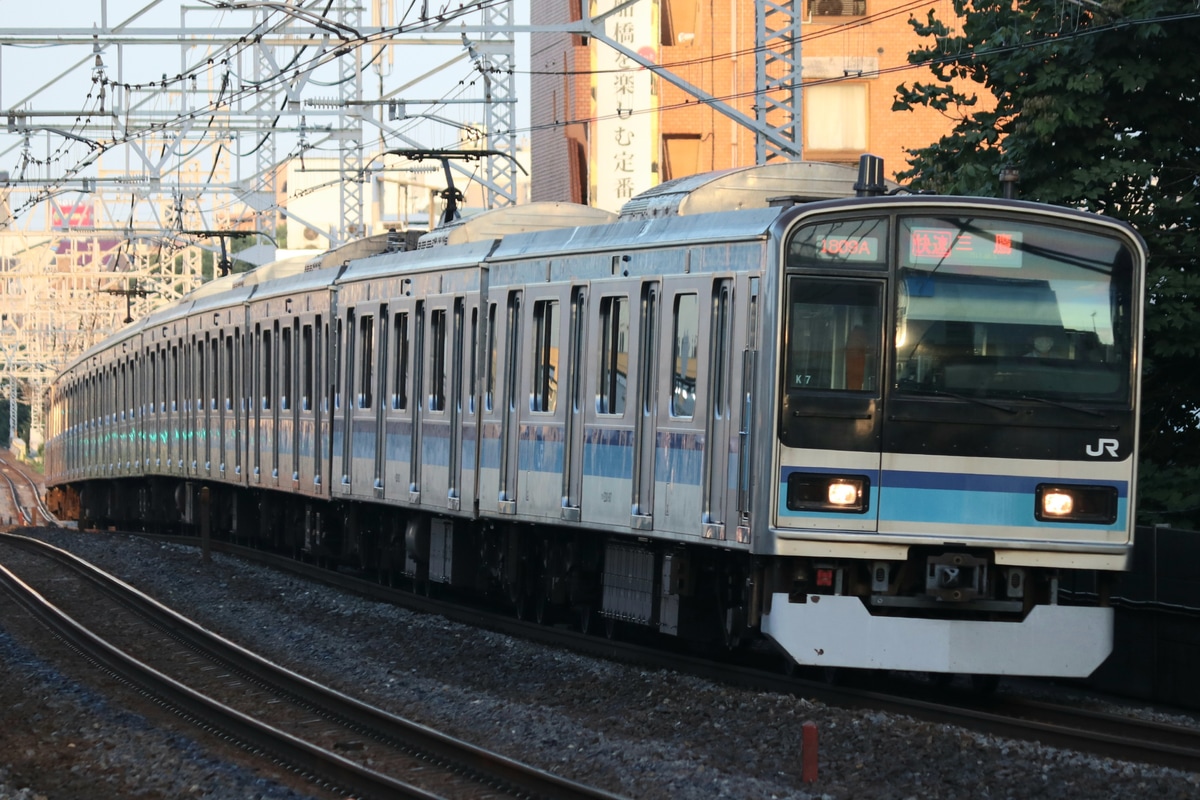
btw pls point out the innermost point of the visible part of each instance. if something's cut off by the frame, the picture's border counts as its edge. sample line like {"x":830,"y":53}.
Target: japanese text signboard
{"x":624,"y":140}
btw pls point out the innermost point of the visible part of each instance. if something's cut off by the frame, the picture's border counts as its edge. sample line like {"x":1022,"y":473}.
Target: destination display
{"x":958,"y":247}
{"x":851,"y":242}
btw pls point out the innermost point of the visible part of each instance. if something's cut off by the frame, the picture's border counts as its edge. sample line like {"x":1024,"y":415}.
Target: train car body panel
{"x":282,"y":377}
{"x":404,"y":410}
{"x":881,"y":431}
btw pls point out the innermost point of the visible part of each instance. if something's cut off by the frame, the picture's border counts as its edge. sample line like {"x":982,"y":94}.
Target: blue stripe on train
{"x":607,"y":452}
{"x":941,"y":498}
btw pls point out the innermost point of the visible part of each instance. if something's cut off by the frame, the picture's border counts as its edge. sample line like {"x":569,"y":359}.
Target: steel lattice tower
{"x":138,"y":140}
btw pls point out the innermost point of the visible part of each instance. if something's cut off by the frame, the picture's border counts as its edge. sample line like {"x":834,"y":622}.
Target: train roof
{"x":501,"y":222}
{"x":635,"y":234}
{"x":472,"y":253}
{"x":744,"y":188}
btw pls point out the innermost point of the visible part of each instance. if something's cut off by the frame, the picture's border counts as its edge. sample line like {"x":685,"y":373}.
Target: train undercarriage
{"x":817,"y":612}
{"x":543,"y":573}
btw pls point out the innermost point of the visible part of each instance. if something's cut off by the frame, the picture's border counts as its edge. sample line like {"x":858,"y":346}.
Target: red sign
{"x":954,"y":246}
{"x":79,"y":216}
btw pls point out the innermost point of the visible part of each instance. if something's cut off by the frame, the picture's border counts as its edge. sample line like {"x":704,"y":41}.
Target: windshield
{"x":1007,"y":308}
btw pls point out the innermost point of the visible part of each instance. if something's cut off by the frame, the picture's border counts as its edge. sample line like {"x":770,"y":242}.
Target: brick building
{"x":599,"y":120}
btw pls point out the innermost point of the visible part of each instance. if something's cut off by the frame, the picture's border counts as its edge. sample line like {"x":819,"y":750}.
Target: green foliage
{"x":22,"y":419}
{"x":1097,"y":106}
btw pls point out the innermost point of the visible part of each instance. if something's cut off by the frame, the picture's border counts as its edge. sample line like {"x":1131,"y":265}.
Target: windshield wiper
{"x":968,"y":398}
{"x":1069,"y":406}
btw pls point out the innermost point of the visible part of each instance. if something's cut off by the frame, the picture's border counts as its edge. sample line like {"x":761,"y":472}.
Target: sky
{"x":63,"y":79}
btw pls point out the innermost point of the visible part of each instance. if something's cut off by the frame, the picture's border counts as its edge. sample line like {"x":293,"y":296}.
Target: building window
{"x":835,"y":117}
{"x":677,"y":24}
{"x":837,"y":8}
{"x":681,"y":156}
{"x":579,"y":171}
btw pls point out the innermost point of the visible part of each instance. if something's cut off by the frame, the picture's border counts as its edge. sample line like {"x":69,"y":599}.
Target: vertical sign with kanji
{"x":624,"y":134}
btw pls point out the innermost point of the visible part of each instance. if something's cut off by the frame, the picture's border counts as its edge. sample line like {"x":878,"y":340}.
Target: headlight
{"x":845,"y":493}
{"x":1067,"y":503}
{"x":1057,"y":503}
{"x":808,"y":491}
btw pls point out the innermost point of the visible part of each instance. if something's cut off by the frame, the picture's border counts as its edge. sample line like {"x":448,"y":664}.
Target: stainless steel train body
{"x":882,"y":431}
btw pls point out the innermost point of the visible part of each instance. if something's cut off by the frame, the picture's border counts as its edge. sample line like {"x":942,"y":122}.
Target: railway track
{"x":1063,"y":725}
{"x":26,"y":495}
{"x":328,"y":736}
{"x":1106,"y":733}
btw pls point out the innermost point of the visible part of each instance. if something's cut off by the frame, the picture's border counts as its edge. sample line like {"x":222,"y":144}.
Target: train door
{"x":510,"y":424}
{"x":257,"y":401}
{"x":334,"y":415}
{"x":572,"y":380}
{"x":323,"y":369}
{"x":442,"y":338}
{"x":609,"y":433}
{"x":454,"y":405}
{"x":418,"y":403}
{"x":748,"y":401}
{"x":541,"y":411}
{"x":362,"y":432}
{"x":682,"y":412}
{"x":233,"y":435}
{"x":215,"y":444}
{"x":288,"y":442}
{"x":238,"y":389}
{"x":308,"y":450}
{"x":646,"y":412}
{"x":467,"y":484}
{"x":188,"y":415}
{"x":151,"y":429}
{"x":195,"y":404}
{"x":171,"y":404}
{"x":121,"y":428}
{"x":345,"y":395}
{"x":397,"y":441}
{"x":487,"y":470}
{"x":380,"y":431}
{"x":273,"y":394}
{"x":220,"y":403}
{"x":718,"y":419}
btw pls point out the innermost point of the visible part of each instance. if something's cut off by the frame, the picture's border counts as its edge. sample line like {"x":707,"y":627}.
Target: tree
{"x":1096,"y":105}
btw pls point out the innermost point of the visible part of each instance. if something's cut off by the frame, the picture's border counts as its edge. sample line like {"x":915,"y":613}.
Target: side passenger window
{"x":685,"y":330}
{"x":544,"y":394}
{"x":614,"y":355}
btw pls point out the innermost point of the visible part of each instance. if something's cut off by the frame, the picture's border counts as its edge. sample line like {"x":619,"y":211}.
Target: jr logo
{"x":1103,"y":446}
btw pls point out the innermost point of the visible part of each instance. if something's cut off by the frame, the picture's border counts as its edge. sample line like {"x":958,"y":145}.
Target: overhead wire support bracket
{"x":450,"y":194}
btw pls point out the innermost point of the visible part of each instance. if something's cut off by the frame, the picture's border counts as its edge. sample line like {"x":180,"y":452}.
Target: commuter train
{"x":788,"y":404}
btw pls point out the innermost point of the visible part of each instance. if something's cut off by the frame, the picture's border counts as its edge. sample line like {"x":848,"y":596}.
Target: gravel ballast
{"x":634,"y":732}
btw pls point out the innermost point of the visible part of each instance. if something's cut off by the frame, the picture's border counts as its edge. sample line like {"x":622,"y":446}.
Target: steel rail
{"x":500,"y":775}
{"x":1110,"y":735}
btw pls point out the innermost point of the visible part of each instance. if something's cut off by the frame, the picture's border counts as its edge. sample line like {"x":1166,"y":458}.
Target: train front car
{"x":956,"y":435}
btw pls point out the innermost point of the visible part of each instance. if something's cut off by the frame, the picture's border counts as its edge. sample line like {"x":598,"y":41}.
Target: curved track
{"x":26,"y":494}
{"x":317,"y":731}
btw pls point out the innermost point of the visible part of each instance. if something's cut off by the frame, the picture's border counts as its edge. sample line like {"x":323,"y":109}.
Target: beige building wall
{"x":854,"y":53}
